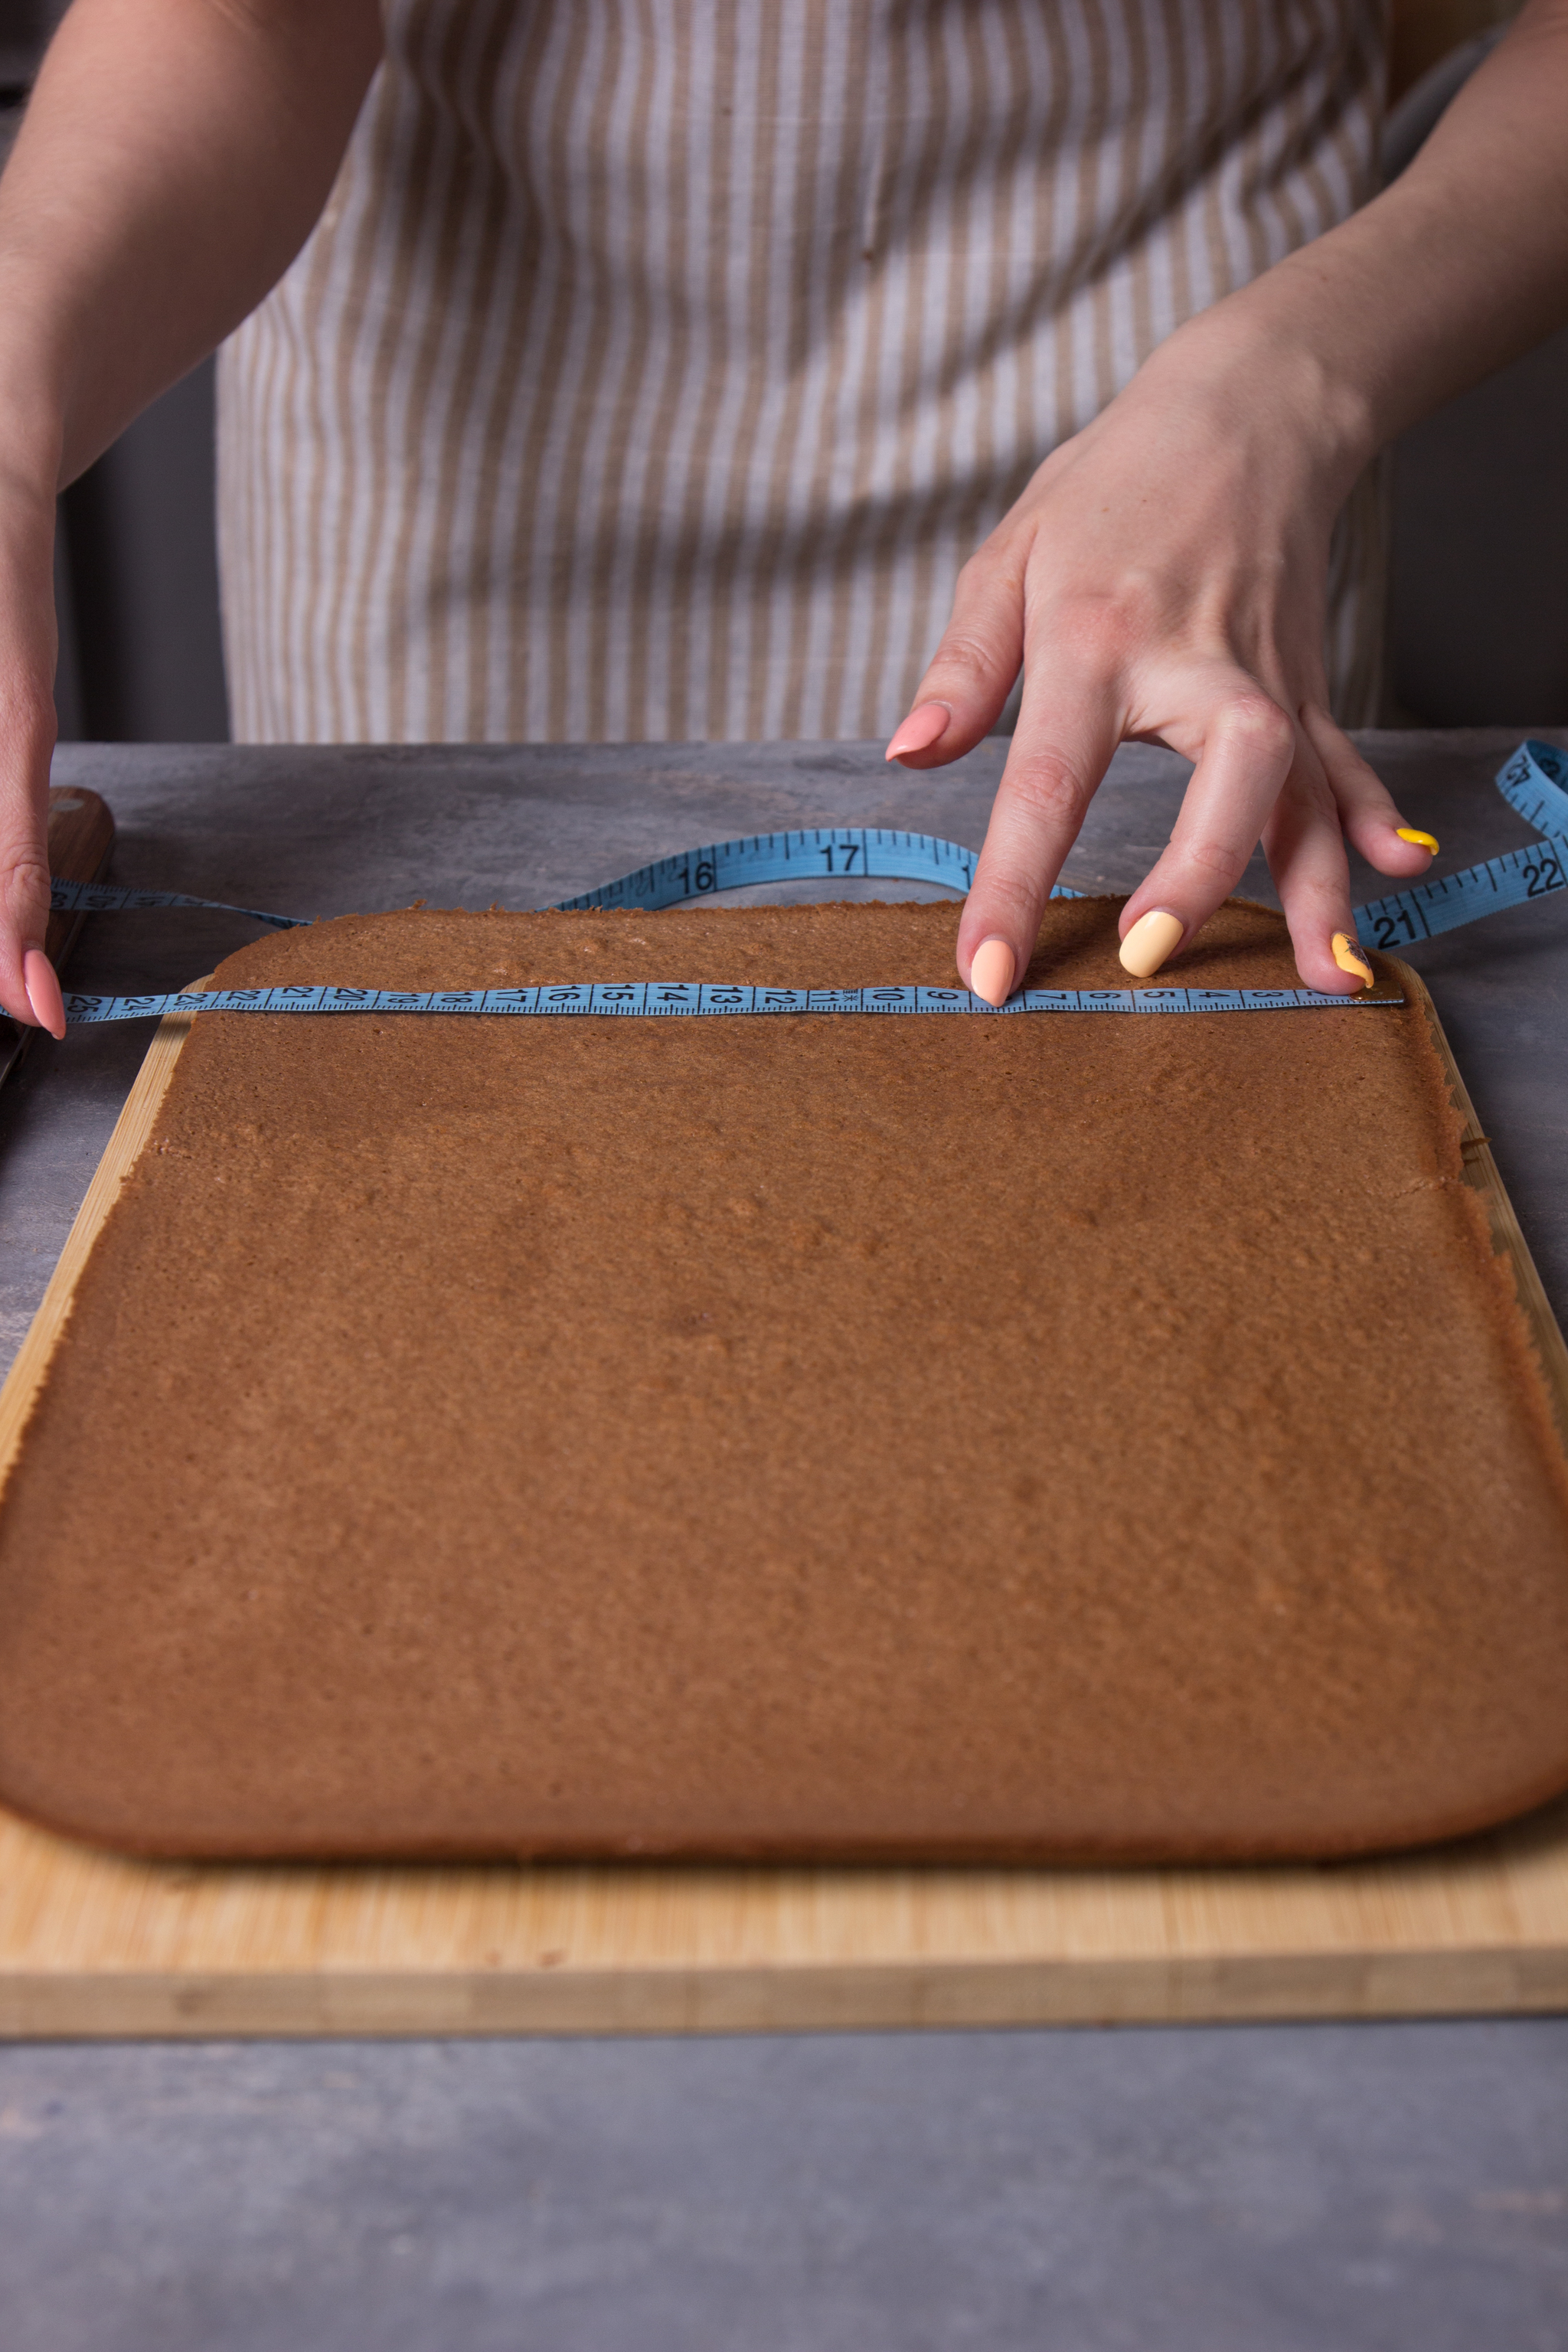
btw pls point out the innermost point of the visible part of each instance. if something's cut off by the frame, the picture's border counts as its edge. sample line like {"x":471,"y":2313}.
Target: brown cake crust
{"x":1053,"y":1437}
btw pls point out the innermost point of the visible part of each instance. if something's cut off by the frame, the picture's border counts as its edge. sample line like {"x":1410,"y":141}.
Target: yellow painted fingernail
{"x":1152,"y":937}
{"x":991,"y":973}
{"x":1422,"y":840}
{"x":1351,"y":957}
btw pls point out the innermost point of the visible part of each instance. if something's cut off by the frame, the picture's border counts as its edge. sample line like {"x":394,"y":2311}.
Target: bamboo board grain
{"x":91,"y":1945}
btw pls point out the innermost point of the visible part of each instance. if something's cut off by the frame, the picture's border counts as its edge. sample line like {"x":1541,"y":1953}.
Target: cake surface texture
{"x":1056,"y":1437}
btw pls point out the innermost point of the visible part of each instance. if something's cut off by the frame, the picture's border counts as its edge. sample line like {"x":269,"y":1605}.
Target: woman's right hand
{"x":29,"y":991}
{"x":174,"y":157}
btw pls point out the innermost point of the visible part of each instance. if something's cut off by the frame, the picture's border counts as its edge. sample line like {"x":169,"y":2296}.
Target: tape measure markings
{"x":853,"y":852}
{"x":1430,"y":907}
{"x":109,"y":898}
{"x":1532,"y":781}
{"x":1528,"y":783}
{"x":684,"y":1000}
{"x":876,"y":853}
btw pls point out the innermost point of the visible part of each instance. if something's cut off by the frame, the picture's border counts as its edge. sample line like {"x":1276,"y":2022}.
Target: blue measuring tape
{"x":684,"y":1000}
{"x":817,"y":853}
{"x":1532,"y":781}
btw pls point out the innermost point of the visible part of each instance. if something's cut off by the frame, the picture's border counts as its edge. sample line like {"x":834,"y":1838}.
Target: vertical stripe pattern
{"x":656,"y":364}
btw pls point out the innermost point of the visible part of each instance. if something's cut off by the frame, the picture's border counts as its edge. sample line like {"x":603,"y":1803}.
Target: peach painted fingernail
{"x":1152,"y":937}
{"x":920,"y":731}
{"x":1350,"y":957}
{"x":44,"y":991}
{"x":991,"y":973}
{"x":1422,"y":840}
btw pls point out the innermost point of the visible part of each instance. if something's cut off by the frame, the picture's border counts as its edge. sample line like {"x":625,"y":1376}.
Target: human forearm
{"x":1457,"y":268}
{"x":174,"y":157}
{"x":1163,"y":577}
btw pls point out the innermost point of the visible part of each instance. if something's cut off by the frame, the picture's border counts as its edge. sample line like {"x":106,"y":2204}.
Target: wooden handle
{"x":82,"y":834}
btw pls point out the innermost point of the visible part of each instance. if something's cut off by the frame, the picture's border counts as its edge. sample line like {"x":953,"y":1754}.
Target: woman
{"x":651,"y":367}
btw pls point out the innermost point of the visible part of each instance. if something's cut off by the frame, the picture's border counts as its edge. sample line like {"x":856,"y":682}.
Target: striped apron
{"x":656,"y":363}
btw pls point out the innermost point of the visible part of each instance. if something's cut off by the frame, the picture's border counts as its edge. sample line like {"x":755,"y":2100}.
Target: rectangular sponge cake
{"x":1050,"y":1438}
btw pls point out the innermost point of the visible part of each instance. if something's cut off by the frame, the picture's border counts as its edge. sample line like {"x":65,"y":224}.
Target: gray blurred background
{"x":1478,"y":620}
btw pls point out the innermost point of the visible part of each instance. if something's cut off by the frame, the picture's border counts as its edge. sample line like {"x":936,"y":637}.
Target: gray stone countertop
{"x":1267,"y":2188}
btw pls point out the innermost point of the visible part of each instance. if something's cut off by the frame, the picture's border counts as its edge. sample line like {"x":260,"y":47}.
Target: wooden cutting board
{"x":93,"y":1945}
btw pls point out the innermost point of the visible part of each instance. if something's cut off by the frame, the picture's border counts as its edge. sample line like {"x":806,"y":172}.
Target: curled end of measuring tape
{"x":1532,"y":781}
